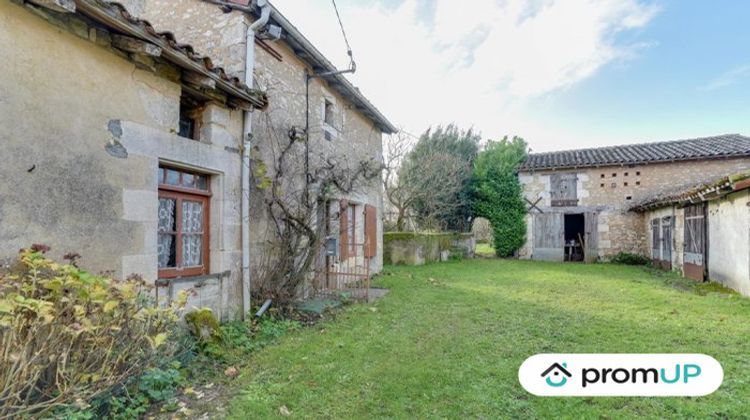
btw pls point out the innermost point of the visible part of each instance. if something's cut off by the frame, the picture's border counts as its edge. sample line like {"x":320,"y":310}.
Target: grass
{"x":449,"y":338}
{"x":485,"y":251}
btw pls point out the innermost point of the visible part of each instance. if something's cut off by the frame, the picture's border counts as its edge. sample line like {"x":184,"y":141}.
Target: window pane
{"x":161,"y":175}
{"x":188,"y":180}
{"x":167,"y":215}
{"x":192,"y":217}
{"x":192,"y":247}
{"x":167,"y":248}
{"x":201,"y":182}
{"x":173,"y":177}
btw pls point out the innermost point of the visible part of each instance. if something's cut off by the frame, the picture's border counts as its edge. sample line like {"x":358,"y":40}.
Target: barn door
{"x":695,"y":242}
{"x":666,"y":243}
{"x":549,"y":237}
{"x":591,"y":253}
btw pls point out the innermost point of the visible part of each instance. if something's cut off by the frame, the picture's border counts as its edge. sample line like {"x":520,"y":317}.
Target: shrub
{"x":627,"y":258}
{"x":498,"y":195}
{"x":67,"y":336}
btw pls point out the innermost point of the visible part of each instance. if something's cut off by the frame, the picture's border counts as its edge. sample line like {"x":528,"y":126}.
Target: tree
{"x":497,"y":193}
{"x":433,"y":181}
{"x":440,"y":165}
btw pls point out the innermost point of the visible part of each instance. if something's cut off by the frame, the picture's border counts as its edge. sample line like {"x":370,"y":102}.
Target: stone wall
{"x":83,"y":132}
{"x":406,"y":248}
{"x":611,"y":191}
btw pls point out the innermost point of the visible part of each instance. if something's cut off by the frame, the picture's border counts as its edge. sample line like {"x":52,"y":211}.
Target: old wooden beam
{"x":199,"y":80}
{"x":63,"y":6}
{"x":135,"y":45}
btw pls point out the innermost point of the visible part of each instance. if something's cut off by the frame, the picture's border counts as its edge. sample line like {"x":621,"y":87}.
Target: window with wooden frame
{"x":183,"y":223}
{"x":191,"y":117}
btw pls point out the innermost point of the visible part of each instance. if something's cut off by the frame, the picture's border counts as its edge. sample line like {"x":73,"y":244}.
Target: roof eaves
{"x":699,"y":193}
{"x":116,"y":17}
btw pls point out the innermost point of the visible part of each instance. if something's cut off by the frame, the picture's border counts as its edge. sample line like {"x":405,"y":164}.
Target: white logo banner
{"x":626,"y":375}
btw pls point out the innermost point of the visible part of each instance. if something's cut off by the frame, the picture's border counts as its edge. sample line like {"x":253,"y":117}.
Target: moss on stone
{"x":204,"y":326}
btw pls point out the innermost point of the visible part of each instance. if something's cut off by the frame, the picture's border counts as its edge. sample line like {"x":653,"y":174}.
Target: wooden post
{"x":135,"y":46}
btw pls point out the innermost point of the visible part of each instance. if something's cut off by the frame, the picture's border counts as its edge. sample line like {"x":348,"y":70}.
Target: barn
{"x":579,"y":201}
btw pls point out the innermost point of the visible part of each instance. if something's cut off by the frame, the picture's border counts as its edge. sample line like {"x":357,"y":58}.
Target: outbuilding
{"x":703,"y":231}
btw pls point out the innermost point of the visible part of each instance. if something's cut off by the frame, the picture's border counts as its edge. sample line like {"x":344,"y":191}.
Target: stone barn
{"x":579,"y":200}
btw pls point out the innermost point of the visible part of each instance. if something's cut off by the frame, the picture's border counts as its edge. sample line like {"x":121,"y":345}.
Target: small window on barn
{"x":637,"y":174}
{"x":602,"y":185}
{"x":603,"y":175}
{"x":182,"y":245}
{"x":626,"y":184}
{"x":626,"y":174}
{"x":629,"y":198}
{"x":191,"y":113}
{"x":638,"y":183}
{"x":614,"y":175}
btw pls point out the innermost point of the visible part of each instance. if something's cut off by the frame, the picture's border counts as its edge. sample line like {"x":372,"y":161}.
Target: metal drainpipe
{"x":246,"y":144}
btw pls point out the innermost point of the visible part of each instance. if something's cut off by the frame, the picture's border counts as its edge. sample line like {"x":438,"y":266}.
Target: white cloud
{"x":728,"y":78}
{"x":477,"y":63}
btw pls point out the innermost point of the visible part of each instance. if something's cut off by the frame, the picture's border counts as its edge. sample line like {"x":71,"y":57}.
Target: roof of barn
{"x":723,"y":146}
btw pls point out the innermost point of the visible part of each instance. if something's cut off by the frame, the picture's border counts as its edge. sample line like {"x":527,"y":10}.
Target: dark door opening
{"x":575,"y":232}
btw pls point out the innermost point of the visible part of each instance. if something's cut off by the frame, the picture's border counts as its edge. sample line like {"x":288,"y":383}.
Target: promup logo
{"x":556,"y":375}
{"x":621,"y":375}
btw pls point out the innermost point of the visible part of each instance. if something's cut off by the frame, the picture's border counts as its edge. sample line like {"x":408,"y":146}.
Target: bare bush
{"x":67,"y":336}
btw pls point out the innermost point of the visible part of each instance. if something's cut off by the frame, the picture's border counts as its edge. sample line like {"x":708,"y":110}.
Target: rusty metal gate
{"x":696,"y":241}
{"x":348,"y":273}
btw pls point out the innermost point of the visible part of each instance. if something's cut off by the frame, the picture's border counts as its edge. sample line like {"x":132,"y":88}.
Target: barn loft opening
{"x":575,"y":230}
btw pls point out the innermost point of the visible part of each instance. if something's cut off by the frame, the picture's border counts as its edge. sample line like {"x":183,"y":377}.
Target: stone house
{"x":122,"y":145}
{"x":702,"y":231}
{"x":307,"y":94}
{"x":579,"y":200}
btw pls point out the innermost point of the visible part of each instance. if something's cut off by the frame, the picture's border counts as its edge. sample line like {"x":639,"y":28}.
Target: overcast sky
{"x":561,"y":73}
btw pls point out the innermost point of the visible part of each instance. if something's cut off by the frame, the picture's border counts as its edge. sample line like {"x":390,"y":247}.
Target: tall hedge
{"x":497,"y":193}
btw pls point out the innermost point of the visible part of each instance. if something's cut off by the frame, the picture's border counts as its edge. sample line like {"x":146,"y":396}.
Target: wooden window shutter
{"x":371,"y":231}
{"x":343,"y":229}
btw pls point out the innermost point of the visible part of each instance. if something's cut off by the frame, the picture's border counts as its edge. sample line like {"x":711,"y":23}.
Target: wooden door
{"x":591,"y":241}
{"x":549,"y":237}
{"x":666,"y":243}
{"x":696,"y":238}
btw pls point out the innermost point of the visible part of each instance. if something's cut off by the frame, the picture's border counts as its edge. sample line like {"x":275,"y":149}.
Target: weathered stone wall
{"x":353,"y":137}
{"x":406,"y":248}
{"x":83,"y":132}
{"x":612,"y":190}
{"x":210,"y":31}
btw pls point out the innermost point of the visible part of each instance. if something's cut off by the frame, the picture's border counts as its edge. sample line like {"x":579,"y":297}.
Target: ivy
{"x":497,"y":193}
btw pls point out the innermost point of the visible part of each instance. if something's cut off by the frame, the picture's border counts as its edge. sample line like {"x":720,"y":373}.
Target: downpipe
{"x":247,"y":139}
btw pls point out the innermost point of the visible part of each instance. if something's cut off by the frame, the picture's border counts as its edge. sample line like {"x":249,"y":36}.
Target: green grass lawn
{"x":449,"y":338}
{"x":485,"y":250}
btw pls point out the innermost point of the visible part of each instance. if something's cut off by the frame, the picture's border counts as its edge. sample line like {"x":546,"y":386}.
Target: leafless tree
{"x":295,"y":200}
{"x":430,"y":180}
